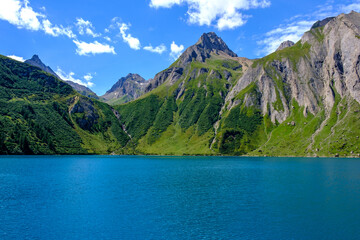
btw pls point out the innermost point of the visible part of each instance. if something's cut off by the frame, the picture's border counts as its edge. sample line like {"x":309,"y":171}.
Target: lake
{"x":138,"y":197}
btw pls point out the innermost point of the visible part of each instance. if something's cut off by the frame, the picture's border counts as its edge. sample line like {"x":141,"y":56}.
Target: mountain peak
{"x":36,"y":61}
{"x":133,"y":76}
{"x":208,"y":44}
{"x":322,"y":23}
{"x":35,"y":57}
{"x":213,"y":43}
{"x":125,"y":89}
{"x":210,"y":36}
{"x":285,"y":44}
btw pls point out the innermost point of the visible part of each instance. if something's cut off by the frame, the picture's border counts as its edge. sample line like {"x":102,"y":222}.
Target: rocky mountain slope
{"x":36,"y":61}
{"x":85,"y":91}
{"x":285,"y":44}
{"x":125,"y":89}
{"x":314,"y":84}
{"x":302,"y":100}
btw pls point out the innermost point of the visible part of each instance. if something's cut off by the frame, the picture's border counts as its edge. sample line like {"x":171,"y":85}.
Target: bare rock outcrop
{"x":329,"y":64}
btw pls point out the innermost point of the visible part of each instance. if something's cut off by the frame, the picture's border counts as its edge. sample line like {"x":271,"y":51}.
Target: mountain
{"x":301,"y":100}
{"x":40,"y":114}
{"x":36,"y":61}
{"x":208,"y":45}
{"x":125,"y":89}
{"x":85,"y":91}
{"x":177,"y":113}
{"x":285,"y":44}
{"x":309,"y":91}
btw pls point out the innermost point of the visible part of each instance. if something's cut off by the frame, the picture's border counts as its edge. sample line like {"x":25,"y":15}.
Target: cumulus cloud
{"x":88,"y":77}
{"x":17,"y":58}
{"x":133,"y":42}
{"x":159,"y":49}
{"x":86,"y":27}
{"x":20,"y":14}
{"x":71,"y":77}
{"x":296,"y":26}
{"x":84,"y":48}
{"x":224,"y":14}
{"x":176,"y":50}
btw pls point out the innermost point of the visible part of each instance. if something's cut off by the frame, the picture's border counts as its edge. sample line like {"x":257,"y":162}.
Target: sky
{"x":95,"y":43}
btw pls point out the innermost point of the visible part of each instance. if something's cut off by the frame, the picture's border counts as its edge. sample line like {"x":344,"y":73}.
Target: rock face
{"x":300,"y":100}
{"x":322,"y":23}
{"x":327,"y":63}
{"x":89,"y":113}
{"x":35,"y":61}
{"x":126,"y":89}
{"x":87,"y":92}
{"x":285,"y":44}
{"x":208,"y":45}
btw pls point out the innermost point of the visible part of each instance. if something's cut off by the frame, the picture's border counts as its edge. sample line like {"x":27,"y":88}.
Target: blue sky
{"x":96,"y":42}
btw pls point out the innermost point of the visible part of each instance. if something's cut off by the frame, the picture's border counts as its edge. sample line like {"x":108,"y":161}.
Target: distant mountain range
{"x":36,"y":61}
{"x":301,"y":100}
{"x":126,"y":89}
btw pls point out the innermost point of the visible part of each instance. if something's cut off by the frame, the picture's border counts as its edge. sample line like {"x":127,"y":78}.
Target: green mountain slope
{"x":41,"y":114}
{"x":177,"y":117}
{"x":302,"y":100}
{"x":36,"y":62}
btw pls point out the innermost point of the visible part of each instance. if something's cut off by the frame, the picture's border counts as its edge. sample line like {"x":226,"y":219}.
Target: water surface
{"x":107,"y":197}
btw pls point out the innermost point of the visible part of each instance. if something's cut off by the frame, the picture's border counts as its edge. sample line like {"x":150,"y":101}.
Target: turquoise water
{"x":103,"y":197}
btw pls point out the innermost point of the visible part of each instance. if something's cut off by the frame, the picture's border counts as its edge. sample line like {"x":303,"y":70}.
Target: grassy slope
{"x":117,"y":101}
{"x":182,"y":126}
{"x":243,"y":131}
{"x":35,"y":119}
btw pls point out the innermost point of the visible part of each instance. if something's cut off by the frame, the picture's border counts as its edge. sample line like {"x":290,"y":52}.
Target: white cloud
{"x":20,"y":14}
{"x":133,"y":42}
{"x":275,"y":37}
{"x":56,"y":31}
{"x":70,"y":77}
{"x":86,"y":27}
{"x":176,"y":50}
{"x":17,"y":58}
{"x":107,"y":38}
{"x":159,"y":49}
{"x":84,"y":48}
{"x":351,"y":7}
{"x":299,"y":24}
{"x":164,"y":3}
{"x":88,"y":77}
{"x":224,"y":13}
{"x":231,"y":21}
